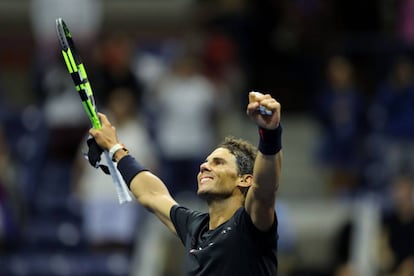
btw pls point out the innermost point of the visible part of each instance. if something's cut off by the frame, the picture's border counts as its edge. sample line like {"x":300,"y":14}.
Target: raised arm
{"x":148,"y":189}
{"x":261,"y":197}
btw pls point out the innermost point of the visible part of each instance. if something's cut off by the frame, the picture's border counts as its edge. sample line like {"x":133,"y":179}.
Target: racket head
{"x":63,"y":34}
{"x":65,"y":39}
{"x":77,"y":71}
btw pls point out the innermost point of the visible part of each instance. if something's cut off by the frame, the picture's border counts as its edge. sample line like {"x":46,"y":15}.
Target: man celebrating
{"x":238,"y":235}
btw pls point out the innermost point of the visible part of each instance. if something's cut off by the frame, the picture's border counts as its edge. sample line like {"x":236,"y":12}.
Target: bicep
{"x":261,"y":209}
{"x":161,"y":207}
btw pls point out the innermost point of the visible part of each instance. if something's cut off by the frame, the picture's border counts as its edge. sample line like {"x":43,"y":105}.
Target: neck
{"x":221,"y":210}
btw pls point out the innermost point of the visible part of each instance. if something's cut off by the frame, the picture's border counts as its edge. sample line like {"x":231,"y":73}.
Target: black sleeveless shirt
{"x":236,"y":247}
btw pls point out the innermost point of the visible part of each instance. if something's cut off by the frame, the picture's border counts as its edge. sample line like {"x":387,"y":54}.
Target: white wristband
{"x":114,"y":149}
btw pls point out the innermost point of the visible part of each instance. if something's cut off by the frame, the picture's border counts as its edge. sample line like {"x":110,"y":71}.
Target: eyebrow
{"x":217,"y":159}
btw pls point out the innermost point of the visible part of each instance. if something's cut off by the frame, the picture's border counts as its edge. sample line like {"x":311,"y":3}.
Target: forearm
{"x":142,"y":183}
{"x":261,"y":197}
{"x":267,"y":171}
{"x":148,"y":189}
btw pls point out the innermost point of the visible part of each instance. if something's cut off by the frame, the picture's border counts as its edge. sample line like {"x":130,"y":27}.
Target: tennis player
{"x":238,"y":235}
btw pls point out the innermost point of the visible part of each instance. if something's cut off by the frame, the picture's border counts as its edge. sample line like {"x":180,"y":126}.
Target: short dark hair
{"x":244,"y":152}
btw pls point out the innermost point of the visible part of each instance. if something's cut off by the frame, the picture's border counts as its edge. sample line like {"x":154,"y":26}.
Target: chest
{"x":215,"y":252}
{"x":225,"y":237}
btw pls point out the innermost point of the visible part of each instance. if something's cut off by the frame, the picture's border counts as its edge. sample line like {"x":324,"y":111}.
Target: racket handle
{"x":264,"y":111}
{"x":120,"y":186}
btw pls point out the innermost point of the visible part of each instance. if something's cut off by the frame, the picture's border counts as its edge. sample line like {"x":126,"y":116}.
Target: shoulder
{"x":242,"y":218}
{"x":183,"y":215}
{"x":187,"y":221}
{"x":244,"y":229}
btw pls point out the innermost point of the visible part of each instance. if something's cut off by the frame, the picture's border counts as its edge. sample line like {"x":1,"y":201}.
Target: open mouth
{"x":205,"y":179}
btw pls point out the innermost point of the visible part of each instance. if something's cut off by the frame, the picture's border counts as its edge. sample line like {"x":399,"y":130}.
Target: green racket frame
{"x":77,"y":71}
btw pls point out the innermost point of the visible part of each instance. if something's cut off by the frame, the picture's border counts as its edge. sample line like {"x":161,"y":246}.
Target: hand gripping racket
{"x":263,"y":110}
{"x":80,"y":79}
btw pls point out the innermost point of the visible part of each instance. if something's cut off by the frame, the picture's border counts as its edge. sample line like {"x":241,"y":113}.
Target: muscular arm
{"x":260,"y":200}
{"x":261,"y":197}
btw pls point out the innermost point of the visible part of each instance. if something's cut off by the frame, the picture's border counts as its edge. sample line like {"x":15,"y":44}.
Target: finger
{"x":93,"y":132}
{"x":267,"y":102}
{"x":104,"y":120}
{"x":252,"y":96}
{"x":252,"y":107}
{"x":255,"y":96}
{"x":275,"y":105}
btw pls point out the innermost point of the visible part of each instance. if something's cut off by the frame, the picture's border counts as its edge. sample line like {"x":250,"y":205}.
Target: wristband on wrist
{"x":114,"y":149}
{"x":270,"y":141}
{"x":129,"y":168}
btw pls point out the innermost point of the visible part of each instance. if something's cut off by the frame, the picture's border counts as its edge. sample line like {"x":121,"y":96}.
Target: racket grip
{"x":120,"y":186}
{"x":264,"y":111}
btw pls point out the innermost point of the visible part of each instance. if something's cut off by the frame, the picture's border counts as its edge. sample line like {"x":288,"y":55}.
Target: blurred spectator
{"x":343,"y":250}
{"x":396,"y":251}
{"x":392,"y":106}
{"x":84,"y":18}
{"x":222,"y":66}
{"x":183,"y":104}
{"x":22,"y":133}
{"x":405,"y":24}
{"x":107,"y":224}
{"x":339,"y":112}
{"x":11,"y":215}
{"x":65,"y":118}
{"x":113,"y":67}
{"x":391,"y":146}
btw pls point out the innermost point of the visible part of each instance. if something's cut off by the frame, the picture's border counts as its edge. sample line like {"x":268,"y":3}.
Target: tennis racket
{"x":83,"y":87}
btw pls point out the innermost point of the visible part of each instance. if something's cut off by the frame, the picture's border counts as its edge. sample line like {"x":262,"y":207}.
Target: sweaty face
{"x":218,"y":176}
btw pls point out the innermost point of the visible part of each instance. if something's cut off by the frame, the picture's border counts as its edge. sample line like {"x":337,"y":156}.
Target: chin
{"x":210,"y":196}
{"x":204,"y":194}
{"x":201,"y":192}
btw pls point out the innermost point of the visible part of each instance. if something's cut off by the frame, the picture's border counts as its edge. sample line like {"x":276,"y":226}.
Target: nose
{"x":204,"y":167}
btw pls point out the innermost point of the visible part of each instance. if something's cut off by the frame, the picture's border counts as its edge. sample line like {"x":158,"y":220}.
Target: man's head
{"x":227,"y":170}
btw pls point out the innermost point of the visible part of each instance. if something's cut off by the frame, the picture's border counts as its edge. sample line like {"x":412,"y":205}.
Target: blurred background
{"x":173,"y":76}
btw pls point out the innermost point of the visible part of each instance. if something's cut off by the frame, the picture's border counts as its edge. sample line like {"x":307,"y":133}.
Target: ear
{"x":246,"y":180}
